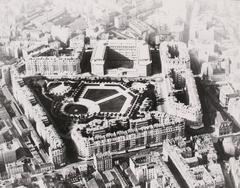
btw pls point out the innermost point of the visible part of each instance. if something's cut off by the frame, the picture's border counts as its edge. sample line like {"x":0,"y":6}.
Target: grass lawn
{"x":53,"y":85}
{"x":98,"y":94}
{"x":75,"y":109}
{"x":113,"y":105}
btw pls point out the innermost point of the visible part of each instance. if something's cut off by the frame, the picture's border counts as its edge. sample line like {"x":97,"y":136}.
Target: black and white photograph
{"x":119,"y":93}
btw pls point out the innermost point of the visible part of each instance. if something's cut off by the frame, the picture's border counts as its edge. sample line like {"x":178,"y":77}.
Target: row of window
{"x":53,"y":68}
{"x":128,"y":144}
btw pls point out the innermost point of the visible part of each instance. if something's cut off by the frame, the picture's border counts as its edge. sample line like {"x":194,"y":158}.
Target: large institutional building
{"x":121,"y":57}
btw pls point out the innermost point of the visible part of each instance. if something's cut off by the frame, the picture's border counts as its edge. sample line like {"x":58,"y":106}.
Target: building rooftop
{"x":12,"y":145}
{"x":3,"y":126}
{"x":131,"y":177}
{"x":197,"y":174}
{"x":92,"y":183}
{"x":220,"y":117}
{"x":145,"y":158}
{"x":99,"y":52}
{"x":108,"y":175}
{"x":143,"y":53}
{"x":139,"y":45}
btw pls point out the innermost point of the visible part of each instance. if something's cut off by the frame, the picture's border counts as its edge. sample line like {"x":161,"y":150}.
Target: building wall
{"x":121,"y":54}
{"x":103,"y":161}
{"x":35,"y":112}
{"x":174,"y":55}
{"x":234,"y":167}
{"x":14,"y":168}
{"x":53,"y":65}
{"x":97,"y":67}
{"x":129,"y":141}
{"x":233,"y":108}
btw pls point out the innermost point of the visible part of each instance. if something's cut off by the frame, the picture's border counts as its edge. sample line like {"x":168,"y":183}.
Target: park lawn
{"x":113,"y":105}
{"x":98,"y":94}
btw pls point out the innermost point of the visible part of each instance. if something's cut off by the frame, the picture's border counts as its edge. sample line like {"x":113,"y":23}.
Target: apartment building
{"x":103,"y":161}
{"x":147,"y":167}
{"x":51,"y":65}
{"x":180,"y":81}
{"x":143,"y":135}
{"x":191,"y":165}
{"x":36,"y":113}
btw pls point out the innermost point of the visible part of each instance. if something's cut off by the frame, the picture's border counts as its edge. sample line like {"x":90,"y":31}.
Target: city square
{"x":92,"y":97}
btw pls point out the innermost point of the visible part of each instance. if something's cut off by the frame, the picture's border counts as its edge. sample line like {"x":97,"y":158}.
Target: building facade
{"x":189,"y":165}
{"x":233,"y":108}
{"x":226,"y":93}
{"x":147,"y":167}
{"x":51,"y":65}
{"x":36,"y":113}
{"x":222,"y":125}
{"x":103,"y":161}
{"x":234,"y":169}
{"x":183,"y":99}
{"x":143,"y":135}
